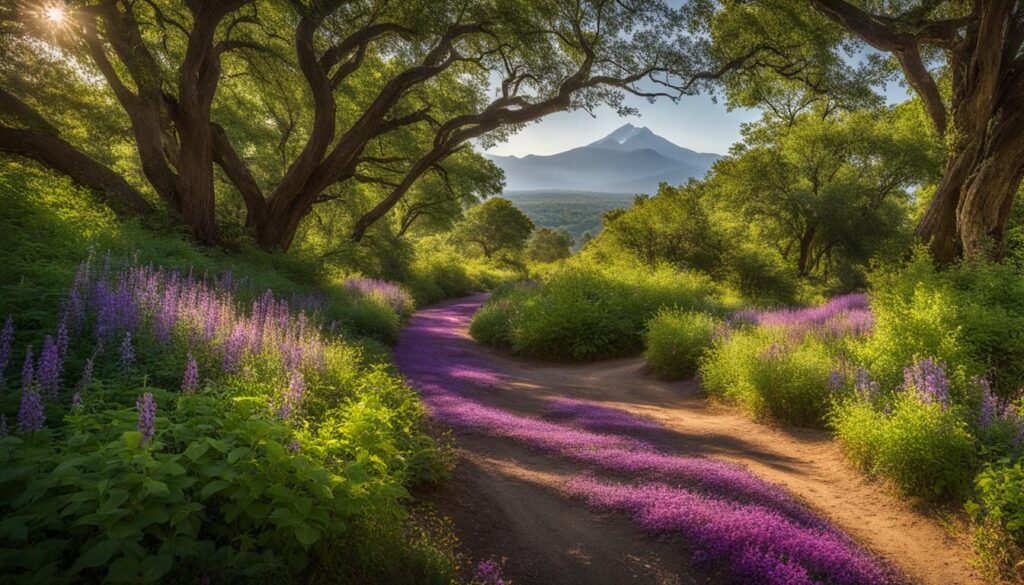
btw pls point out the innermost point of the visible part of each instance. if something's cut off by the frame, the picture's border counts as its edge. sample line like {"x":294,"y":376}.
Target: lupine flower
{"x":835,"y":380}
{"x":390,"y":294}
{"x":86,"y":378}
{"x":127,"y":352}
{"x":62,"y":338}
{"x":27,"y":370}
{"x":928,"y":378}
{"x":74,"y":310}
{"x":76,"y":402}
{"x":48,"y":373}
{"x":293,"y":396}
{"x":294,"y":446}
{"x":190,"y":381}
{"x":989,"y":406}
{"x":146,"y":406}
{"x":864,"y":386}
{"x":6,"y":337}
{"x":30,"y":412}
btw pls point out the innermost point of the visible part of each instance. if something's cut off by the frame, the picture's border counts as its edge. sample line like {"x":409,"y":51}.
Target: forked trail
{"x":516,"y":492}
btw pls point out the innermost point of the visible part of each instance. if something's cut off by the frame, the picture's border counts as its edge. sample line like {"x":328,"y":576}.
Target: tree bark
{"x":57,"y":154}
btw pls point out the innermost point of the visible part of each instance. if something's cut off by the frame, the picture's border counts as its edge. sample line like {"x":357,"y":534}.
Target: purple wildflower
{"x":62,"y":339}
{"x":390,"y":294}
{"x":86,"y":378}
{"x":146,"y":406}
{"x":76,"y":402}
{"x":30,"y":412}
{"x":6,"y":338}
{"x":294,"y":446}
{"x":835,"y":380}
{"x":864,"y":386}
{"x":127,"y":352}
{"x":190,"y":381}
{"x":27,"y":370}
{"x":928,"y":378}
{"x":730,"y":516}
{"x":293,"y":396}
{"x":488,"y":572}
{"x":989,"y":406}
{"x":48,"y":372}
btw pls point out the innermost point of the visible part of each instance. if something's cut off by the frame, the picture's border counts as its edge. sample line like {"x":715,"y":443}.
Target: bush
{"x":970,"y":316}
{"x":773,"y":375}
{"x":492,"y":324}
{"x":1000,"y":493}
{"x":762,"y":276}
{"x":676,"y":340}
{"x":924,"y":448}
{"x":582,"y":313}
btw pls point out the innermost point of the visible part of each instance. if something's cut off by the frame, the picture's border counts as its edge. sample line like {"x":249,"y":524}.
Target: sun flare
{"x":55,"y":14}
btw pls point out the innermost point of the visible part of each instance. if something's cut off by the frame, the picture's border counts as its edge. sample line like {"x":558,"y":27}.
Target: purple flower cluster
{"x":756,"y":528}
{"x":488,"y":572}
{"x":30,"y":412}
{"x":141,"y":300}
{"x":758,"y":544}
{"x":391,"y":294}
{"x":843,"y":316}
{"x":928,"y":378}
{"x":190,"y":381}
{"x":292,"y":400}
{"x":48,"y":372}
{"x":146,"y":407}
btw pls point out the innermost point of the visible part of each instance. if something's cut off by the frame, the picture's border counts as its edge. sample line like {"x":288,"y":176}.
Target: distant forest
{"x":577,"y":212}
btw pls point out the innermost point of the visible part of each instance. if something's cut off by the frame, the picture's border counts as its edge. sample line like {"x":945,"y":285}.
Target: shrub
{"x":492,"y":324}
{"x":676,"y":340}
{"x":970,"y":316}
{"x":1000,"y":493}
{"x":761,"y":276}
{"x":923,"y":447}
{"x":772,"y":375}
{"x":582,"y":313}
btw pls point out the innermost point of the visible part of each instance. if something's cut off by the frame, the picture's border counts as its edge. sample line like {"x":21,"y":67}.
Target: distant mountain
{"x":629,"y":160}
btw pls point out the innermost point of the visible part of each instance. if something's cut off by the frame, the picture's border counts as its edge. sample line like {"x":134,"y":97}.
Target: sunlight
{"x":55,"y":14}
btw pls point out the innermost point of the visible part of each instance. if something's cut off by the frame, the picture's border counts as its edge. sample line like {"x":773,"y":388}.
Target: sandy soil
{"x":506,"y":501}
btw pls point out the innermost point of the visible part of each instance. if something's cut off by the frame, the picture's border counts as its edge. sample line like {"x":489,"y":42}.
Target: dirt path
{"x":507,"y":500}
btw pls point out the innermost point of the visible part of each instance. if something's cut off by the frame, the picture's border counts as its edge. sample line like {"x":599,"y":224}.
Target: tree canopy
{"x":962,"y":59}
{"x":264,"y":109}
{"x":495,"y":226}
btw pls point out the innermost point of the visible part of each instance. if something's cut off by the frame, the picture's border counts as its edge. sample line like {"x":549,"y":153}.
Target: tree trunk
{"x":804,"y":260}
{"x":969,"y":212}
{"x":57,"y":154}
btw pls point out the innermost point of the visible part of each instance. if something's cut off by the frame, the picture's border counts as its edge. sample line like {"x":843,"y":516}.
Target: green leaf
{"x":196,"y":450}
{"x":157,"y":488}
{"x":212,"y":488}
{"x":97,"y":555}
{"x":132,"y":439}
{"x":14,"y":529}
{"x":156,"y":567}
{"x":306,"y":534}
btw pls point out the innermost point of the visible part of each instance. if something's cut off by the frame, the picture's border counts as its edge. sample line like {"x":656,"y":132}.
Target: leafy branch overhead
{"x":275,"y":107}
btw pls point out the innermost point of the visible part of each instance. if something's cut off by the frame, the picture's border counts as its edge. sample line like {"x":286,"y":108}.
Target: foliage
{"x":971,"y":316}
{"x":548,"y":245}
{"x":924,"y":448}
{"x":581,"y":312}
{"x":495,"y":226}
{"x":675,"y":340}
{"x":672,"y":227}
{"x":228,"y":487}
{"x":772,"y":375}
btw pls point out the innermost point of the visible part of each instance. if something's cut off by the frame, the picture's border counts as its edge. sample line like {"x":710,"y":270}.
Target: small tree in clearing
{"x":495,"y":225}
{"x":548,"y":245}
